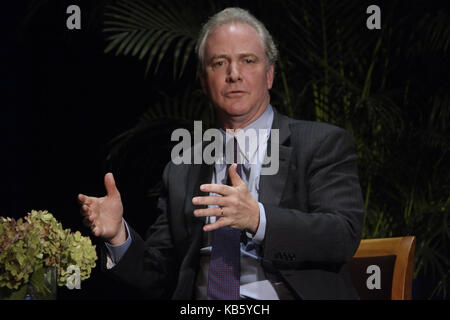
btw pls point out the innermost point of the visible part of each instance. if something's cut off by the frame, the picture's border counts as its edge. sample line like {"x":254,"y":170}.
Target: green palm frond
{"x":338,"y":59}
{"x":438,"y":128}
{"x":323,"y":41}
{"x":166,"y":115}
{"x":152,"y":30}
{"x":145,"y":148}
{"x":184,"y":108}
{"x":435,"y":35}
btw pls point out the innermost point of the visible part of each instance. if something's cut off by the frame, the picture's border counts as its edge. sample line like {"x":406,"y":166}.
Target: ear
{"x":269,"y":76}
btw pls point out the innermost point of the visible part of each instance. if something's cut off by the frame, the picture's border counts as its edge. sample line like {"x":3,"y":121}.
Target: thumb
{"x":234,"y":176}
{"x":110,"y":185}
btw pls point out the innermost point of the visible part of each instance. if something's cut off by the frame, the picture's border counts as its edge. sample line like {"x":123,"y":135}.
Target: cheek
{"x":258,"y":79}
{"x":214,"y":86}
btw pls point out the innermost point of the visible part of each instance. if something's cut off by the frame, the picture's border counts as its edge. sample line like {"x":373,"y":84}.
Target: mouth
{"x":234,"y":93}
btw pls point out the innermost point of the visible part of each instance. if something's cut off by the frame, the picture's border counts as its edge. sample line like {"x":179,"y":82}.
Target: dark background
{"x":63,"y":99}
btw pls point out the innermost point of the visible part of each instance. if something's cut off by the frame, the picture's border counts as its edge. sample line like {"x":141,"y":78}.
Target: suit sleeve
{"x":330,"y":230}
{"x":149,"y":265}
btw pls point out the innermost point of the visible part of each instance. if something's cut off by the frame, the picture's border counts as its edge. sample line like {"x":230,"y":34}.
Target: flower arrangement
{"x":28,"y":246}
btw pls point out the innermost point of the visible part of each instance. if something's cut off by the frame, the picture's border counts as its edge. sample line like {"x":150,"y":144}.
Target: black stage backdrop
{"x":63,"y":99}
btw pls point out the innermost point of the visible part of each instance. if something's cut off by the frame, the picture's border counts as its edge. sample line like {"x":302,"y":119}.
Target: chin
{"x":236,"y":110}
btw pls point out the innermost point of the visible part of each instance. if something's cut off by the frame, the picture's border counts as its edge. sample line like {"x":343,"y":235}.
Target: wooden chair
{"x":401,"y":249}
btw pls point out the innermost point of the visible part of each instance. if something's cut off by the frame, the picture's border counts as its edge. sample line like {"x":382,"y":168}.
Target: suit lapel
{"x":271,"y":186}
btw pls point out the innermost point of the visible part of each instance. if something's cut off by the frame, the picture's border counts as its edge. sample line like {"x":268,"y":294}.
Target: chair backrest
{"x":396,"y":256}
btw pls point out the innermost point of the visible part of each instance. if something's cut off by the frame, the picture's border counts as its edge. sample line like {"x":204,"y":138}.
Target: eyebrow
{"x":241,"y":55}
{"x":215,"y":57}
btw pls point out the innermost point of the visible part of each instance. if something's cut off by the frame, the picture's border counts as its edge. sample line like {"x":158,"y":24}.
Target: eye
{"x":248,"y":61}
{"x":218,"y":63}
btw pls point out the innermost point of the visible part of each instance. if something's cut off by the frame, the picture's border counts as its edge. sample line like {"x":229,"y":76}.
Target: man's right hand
{"x":104,"y":215}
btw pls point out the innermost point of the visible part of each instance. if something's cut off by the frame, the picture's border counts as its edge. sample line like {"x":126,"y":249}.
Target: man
{"x":296,"y":229}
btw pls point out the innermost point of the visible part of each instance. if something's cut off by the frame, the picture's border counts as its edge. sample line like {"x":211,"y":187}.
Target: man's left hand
{"x":236,"y":207}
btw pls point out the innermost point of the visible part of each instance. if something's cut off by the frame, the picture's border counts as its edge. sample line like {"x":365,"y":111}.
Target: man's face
{"x":236,"y":77}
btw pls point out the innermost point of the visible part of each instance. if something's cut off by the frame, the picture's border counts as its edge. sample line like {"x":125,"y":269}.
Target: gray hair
{"x":235,"y":15}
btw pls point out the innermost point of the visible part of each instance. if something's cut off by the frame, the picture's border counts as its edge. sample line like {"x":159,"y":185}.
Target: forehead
{"x":234,"y":38}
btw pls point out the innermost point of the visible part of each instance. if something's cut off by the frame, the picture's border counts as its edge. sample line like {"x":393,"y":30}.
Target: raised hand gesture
{"x":104,"y":215}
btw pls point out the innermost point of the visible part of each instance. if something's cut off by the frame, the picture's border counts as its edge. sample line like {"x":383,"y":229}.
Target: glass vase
{"x":44,"y":289}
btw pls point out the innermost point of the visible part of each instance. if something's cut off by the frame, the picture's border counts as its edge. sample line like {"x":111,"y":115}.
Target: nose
{"x":234,"y":73}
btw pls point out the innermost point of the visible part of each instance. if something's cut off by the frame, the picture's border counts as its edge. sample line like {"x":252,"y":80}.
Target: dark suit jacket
{"x":314,"y":213}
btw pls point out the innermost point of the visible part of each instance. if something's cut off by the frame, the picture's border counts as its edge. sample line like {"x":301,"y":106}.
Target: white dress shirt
{"x":252,"y":149}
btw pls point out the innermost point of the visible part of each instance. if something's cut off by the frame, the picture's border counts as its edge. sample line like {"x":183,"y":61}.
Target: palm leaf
{"x":151,"y":30}
{"x":436,"y":32}
{"x":179,"y":110}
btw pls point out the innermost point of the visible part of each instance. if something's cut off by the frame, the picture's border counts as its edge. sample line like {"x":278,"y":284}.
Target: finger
{"x":80,"y":198}
{"x":84,"y":210}
{"x":221,"y":189}
{"x":217,"y":212}
{"x":85,"y":199}
{"x":209,"y":200}
{"x":234,"y":176}
{"x":222,"y":222}
{"x":91,"y":217}
{"x":110,"y":185}
{"x":96,"y":231}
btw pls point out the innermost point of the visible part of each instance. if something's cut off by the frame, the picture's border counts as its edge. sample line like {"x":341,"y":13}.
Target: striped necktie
{"x":225,"y":263}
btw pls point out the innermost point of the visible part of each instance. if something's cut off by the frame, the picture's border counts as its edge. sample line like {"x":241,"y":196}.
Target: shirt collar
{"x":263,"y":122}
